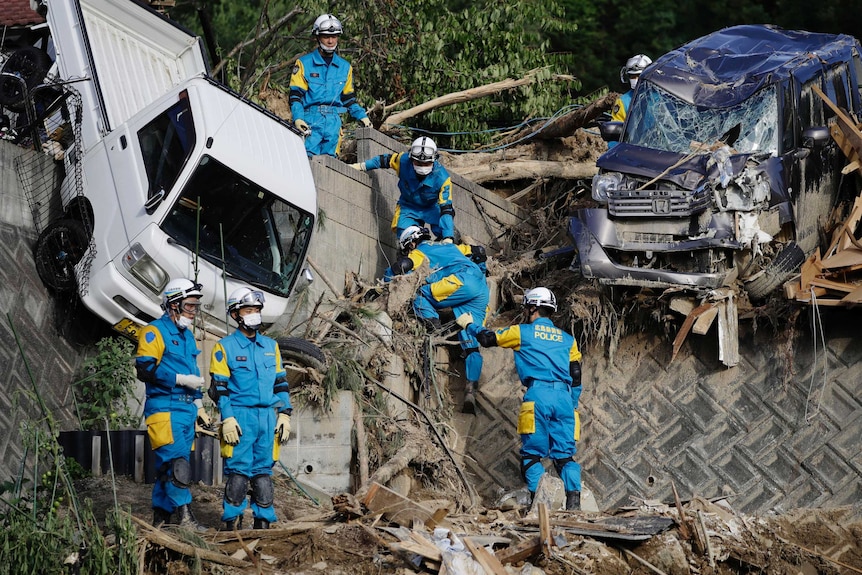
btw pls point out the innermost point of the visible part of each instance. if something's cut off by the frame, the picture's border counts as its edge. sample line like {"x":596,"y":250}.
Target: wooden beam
{"x":523,"y":550}
{"x":489,"y":563}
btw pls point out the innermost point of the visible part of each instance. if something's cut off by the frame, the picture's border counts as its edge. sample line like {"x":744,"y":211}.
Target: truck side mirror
{"x":611,"y":131}
{"x":303,"y":281}
{"x":154,"y":201}
{"x":815,"y":137}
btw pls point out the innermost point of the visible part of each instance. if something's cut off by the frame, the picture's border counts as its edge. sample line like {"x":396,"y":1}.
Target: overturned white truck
{"x":170,"y":174}
{"x":725,"y":168}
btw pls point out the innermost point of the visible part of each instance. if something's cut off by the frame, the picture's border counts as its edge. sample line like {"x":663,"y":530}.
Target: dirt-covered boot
{"x":261,"y":523}
{"x":573,"y":500}
{"x":235,"y":523}
{"x":186,"y":519}
{"x":469,"y":398}
{"x":160,"y":517}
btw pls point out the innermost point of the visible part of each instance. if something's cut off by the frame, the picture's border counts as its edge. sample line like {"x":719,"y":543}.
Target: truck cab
{"x":725,"y":169}
{"x":170,"y":174}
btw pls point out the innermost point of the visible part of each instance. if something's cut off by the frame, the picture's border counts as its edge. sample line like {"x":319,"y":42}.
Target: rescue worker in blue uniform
{"x":456,"y":281}
{"x":425,"y":186}
{"x":166,"y":361}
{"x":628,"y":73}
{"x":321,"y":89}
{"x":250,"y":386}
{"x":549,"y":366}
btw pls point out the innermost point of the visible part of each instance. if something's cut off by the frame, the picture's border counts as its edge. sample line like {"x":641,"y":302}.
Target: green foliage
{"x":107,"y":388}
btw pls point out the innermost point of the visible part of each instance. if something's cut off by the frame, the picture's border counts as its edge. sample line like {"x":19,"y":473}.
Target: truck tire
{"x":59,"y":247}
{"x":778,"y":271}
{"x":30,"y":64}
{"x":298,"y":354}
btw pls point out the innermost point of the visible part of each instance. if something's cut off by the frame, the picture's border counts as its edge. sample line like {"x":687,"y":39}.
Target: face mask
{"x":633,"y":82}
{"x":326,"y":49}
{"x":423,"y":170}
{"x":252,"y":320}
{"x":183,"y":322}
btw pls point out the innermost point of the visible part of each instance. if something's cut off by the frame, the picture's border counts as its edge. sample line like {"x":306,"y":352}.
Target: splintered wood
{"x":835,"y":279}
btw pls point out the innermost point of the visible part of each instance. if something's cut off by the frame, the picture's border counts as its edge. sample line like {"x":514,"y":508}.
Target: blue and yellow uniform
{"x":321,"y":89}
{"x":548,"y":422}
{"x":455,"y":281}
{"x":423,"y":199}
{"x":620,"y":109}
{"x":251,"y":385}
{"x":164,"y":350}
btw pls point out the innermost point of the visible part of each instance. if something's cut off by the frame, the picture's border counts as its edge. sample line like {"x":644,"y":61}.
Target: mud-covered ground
{"x":311,"y":538}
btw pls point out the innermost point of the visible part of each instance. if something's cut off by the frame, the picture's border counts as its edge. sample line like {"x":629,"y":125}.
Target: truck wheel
{"x":30,"y":64}
{"x":297,"y":355}
{"x":59,"y":247}
{"x":778,"y":271}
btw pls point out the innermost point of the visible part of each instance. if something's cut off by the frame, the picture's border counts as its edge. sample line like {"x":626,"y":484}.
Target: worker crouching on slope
{"x":455,"y":281}
{"x":251,"y":389}
{"x":166,"y":361}
{"x":549,"y":366}
{"x":425,"y":186}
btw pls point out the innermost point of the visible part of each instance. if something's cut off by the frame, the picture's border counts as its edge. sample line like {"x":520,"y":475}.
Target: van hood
{"x":685,"y":171}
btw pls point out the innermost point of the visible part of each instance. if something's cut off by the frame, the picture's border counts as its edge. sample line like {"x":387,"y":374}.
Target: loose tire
{"x":30,"y":64}
{"x":59,"y":247}
{"x":297,"y":355}
{"x":778,"y":271}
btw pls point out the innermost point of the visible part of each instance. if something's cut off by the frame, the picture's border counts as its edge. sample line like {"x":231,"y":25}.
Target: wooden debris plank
{"x":704,"y":322}
{"x":395,"y":507}
{"x":805,"y":296}
{"x":837,"y":286}
{"x":435,"y":519}
{"x":728,"y":332}
{"x":425,"y":551}
{"x":522,"y":551}
{"x":686,"y":327}
{"x":545,"y":529}
{"x":853,"y":297}
{"x":850,"y":256}
{"x":488,"y":562}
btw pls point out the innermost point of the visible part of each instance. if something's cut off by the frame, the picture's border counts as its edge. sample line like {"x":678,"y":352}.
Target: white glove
{"x":231,"y":431}
{"x":447,"y":241}
{"x":302,"y":126}
{"x":358,"y":166}
{"x":464,"y":320}
{"x":189,"y":381}
{"x":282,"y":428}
{"x":366,"y":121}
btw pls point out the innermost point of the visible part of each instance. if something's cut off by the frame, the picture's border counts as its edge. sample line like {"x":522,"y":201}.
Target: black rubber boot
{"x":186,"y":519}
{"x":573,"y":500}
{"x":469,"y":398}
{"x":236,"y":523}
{"x":261,"y":523}
{"x":431,"y":324}
{"x":160,"y":517}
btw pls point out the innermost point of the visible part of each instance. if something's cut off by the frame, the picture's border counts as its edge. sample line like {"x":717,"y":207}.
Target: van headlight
{"x":605,"y":183}
{"x":145,"y":269}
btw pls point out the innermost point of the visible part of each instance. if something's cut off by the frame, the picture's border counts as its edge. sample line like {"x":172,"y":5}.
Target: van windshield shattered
{"x":263,"y":238}
{"x":661,"y":121}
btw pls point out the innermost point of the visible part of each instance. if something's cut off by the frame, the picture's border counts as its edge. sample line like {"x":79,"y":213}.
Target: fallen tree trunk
{"x":389,"y":469}
{"x":464,"y":96}
{"x":565,"y":125}
{"x":526,"y":170}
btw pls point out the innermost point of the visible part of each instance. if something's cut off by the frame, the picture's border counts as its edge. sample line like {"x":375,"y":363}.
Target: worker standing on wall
{"x":321,"y":89}
{"x":549,"y":366}
{"x":250,"y":386}
{"x":166,"y":361}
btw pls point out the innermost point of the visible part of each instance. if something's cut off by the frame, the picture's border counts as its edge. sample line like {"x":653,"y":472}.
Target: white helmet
{"x":413,"y":234}
{"x":327,"y":24}
{"x":634,"y":67}
{"x":178,"y":290}
{"x":540,"y":297}
{"x":423,"y":149}
{"x":244,"y":297}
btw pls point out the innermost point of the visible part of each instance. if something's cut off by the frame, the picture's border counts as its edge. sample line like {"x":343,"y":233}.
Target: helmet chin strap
{"x":326,"y":51}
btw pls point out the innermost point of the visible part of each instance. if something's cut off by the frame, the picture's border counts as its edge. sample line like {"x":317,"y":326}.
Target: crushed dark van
{"x":725,"y":168}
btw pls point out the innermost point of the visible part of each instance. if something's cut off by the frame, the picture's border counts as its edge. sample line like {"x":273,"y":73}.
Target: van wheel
{"x":59,"y":247}
{"x":778,"y":271}
{"x":297,"y":355}
{"x":30,"y":64}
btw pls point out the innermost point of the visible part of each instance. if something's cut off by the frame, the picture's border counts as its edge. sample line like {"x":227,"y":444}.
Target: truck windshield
{"x":263,"y":238}
{"x":661,"y":121}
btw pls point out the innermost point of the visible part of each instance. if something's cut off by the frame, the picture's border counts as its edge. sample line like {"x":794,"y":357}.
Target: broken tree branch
{"x":567,"y":124}
{"x":464,"y":96}
{"x":526,"y":170}
{"x":160,"y":538}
